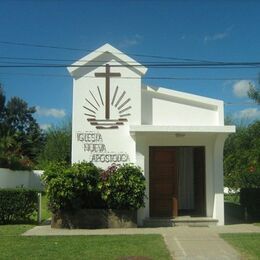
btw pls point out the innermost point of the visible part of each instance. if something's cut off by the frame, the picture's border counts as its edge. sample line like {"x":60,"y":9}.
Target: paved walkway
{"x":182,"y":242}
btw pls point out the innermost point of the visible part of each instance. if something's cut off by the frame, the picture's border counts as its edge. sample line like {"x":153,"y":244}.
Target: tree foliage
{"x":242,"y":157}
{"x":254,"y":93}
{"x":2,"y":104}
{"x":57,"y":147}
{"x":20,"y":135}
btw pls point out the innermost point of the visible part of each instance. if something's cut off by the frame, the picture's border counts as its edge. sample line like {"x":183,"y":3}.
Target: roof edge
{"x":183,"y":95}
{"x":103,"y":49}
{"x":182,"y":129}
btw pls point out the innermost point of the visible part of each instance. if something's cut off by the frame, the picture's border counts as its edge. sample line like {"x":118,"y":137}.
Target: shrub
{"x":17,"y":205}
{"x":84,"y":186}
{"x":123,"y":187}
{"x":72,"y":187}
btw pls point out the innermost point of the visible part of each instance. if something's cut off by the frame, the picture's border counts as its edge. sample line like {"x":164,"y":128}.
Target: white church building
{"x":175,"y":137}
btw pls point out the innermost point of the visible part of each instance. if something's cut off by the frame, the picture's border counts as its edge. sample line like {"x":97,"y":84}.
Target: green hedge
{"x":72,"y":187}
{"x":84,"y":186}
{"x":17,"y":205}
{"x":250,"y":198}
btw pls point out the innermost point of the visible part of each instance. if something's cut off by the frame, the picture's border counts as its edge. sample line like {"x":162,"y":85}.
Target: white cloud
{"x":214,"y":37}
{"x":131,"y":41}
{"x":50,"y":112}
{"x":248,"y":113}
{"x":45,"y":126}
{"x":218,"y":36}
{"x":241,"y":88}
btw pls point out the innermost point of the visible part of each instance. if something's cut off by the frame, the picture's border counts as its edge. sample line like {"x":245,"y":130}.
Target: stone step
{"x":195,"y":221}
{"x":158,"y":222}
{"x":180,"y":221}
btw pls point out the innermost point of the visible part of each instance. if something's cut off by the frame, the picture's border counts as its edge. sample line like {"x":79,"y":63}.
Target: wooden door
{"x":163,"y":182}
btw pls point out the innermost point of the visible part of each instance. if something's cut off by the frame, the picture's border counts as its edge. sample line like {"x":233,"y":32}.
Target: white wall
{"x":218,"y":209}
{"x":170,"y":113}
{"x":27,"y":179}
{"x":179,"y":109}
{"x":111,"y":143}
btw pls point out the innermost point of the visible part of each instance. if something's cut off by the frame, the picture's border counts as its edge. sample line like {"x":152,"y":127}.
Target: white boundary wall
{"x":27,"y":179}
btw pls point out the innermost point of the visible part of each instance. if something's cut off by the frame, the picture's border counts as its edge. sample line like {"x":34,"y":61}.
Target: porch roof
{"x":181,"y":129}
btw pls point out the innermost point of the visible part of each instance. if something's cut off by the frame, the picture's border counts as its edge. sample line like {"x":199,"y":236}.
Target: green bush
{"x":123,"y":187}
{"x":83,"y":186}
{"x":72,"y":187}
{"x":17,"y":205}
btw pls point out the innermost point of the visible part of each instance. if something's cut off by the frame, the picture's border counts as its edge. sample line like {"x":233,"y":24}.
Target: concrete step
{"x":180,"y":221}
{"x":195,"y":221}
{"x":158,"y":222}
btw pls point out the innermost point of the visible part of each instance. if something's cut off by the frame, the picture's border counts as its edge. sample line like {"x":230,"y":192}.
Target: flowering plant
{"x":84,"y":186}
{"x":123,"y":187}
{"x":108,"y":172}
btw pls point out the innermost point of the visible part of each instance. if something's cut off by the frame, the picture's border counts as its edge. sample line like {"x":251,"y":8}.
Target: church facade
{"x":176,"y":138}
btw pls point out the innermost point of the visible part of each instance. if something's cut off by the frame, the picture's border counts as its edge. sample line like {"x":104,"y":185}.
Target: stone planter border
{"x":95,"y":218}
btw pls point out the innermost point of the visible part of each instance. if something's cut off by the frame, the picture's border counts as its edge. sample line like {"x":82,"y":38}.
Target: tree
{"x":242,"y":157}
{"x":21,"y":137}
{"x":22,"y":124}
{"x":254,"y":91}
{"x":57,"y":147}
{"x":2,"y":99}
{"x":2,"y":110}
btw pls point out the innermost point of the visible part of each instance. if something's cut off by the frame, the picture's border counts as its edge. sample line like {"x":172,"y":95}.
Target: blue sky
{"x":200,"y":30}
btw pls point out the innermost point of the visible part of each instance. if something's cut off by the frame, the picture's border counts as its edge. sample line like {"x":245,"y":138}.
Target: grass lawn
{"x":247,"y":244}
{"x":45,"y":212}
{"x":13,"y":230}
{"x":14,"y":246}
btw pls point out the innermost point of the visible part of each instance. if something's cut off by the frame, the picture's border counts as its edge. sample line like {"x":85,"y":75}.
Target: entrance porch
{"x":183,"y":167}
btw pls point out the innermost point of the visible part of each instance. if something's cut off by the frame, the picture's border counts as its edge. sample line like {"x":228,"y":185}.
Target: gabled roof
{"x":106,"y":48}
